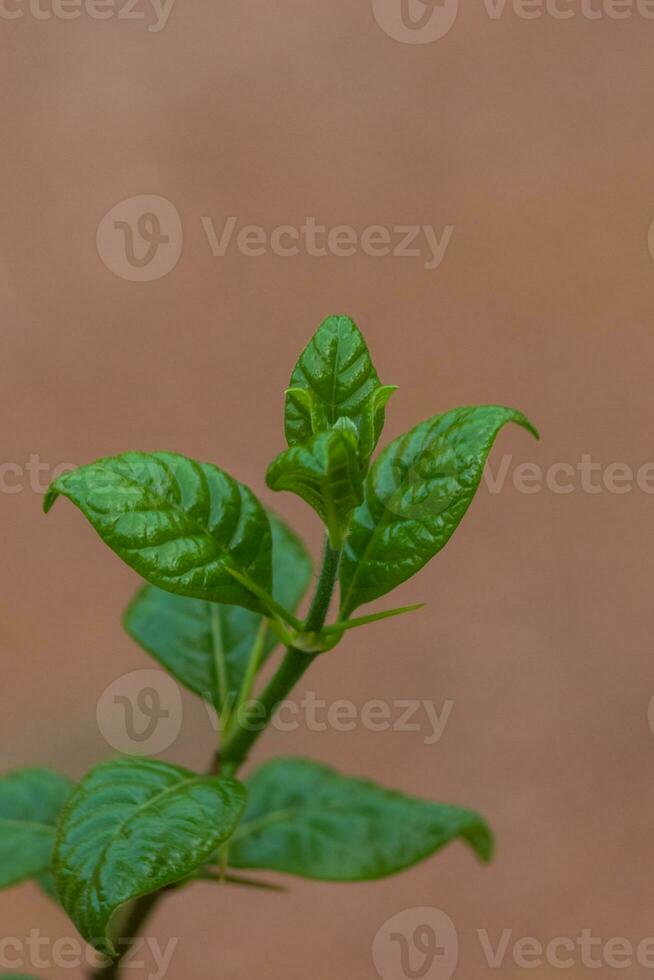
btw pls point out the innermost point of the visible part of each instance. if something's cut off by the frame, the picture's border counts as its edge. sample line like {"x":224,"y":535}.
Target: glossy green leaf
{"x":415,"y":497}
{"x":206,"y":645}
{"x":335,"y":378}
{"x":30,"y":802}
{"x":131,"y":827}
{"x":305,"y":819}
{"x":371,"y":422}
{"x":326,"y":473}
{"x":180,"y":524}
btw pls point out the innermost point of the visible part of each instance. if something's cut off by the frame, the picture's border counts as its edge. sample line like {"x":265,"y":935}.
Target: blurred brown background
{"x":534,"y":139}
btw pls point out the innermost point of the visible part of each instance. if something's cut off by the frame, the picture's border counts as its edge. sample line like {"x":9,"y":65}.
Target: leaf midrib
{"x":279,"y":816}
{"x":335,"y":371}
{"x":378,"y":528}
{"x":179,"y":509}
{"x":387,"y":517}
{"x":94,"y":880}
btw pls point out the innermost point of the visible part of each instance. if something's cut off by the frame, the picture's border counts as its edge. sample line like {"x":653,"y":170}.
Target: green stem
{"x":219,"y":661}
{"x":130,"y":930}
{"x":295,"y":663}
{"x":254,"y":662}
{"x":324,"y":590}
{"x":225,"y":879}
{"x":245,"y":734}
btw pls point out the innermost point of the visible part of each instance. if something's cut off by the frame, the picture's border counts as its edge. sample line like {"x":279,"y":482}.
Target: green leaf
{"x":326,"y":473}
{"x":305,"y":819}
{"x":415,"y":497}
{"x":47,"y":885}
{"x":372,"y":421}
{"x":351,"y":624}
{"x":180,"y":524}
{"x":132,"y":827}
{"x":335,"y":378}
{"x":30,"y":802}
{"x":205,"y":645}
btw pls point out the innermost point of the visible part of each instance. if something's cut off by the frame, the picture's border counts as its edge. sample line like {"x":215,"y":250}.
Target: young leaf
{"x":30,"y":801}
{"x":337,"y":374}
{"x":190,"y":637}
{"x":351,"y":624}
{"x":131,"y":827}
{"x":372,"y":421}
{"x":180,"y":524}
{"x":326,"y":473}
{"x":415,"y":496}
{"x":305,"y":819}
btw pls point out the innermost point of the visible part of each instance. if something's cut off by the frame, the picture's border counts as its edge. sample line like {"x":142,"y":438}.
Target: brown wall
{"x":534,"y":139}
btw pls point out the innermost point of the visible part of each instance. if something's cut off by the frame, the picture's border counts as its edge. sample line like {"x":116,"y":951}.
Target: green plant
{"x":225,"y":580}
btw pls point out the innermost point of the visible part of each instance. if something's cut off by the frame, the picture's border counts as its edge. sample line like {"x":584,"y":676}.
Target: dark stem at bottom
{"x":130,"y":930}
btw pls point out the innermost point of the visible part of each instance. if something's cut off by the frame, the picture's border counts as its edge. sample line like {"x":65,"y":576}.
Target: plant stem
{"x":221,"y":879}
{"x":324,"y":590}
{"x":130,"y":930}
{"x":292,"y":667}
{"x":244,"y":735}
{"x":254,"y":662}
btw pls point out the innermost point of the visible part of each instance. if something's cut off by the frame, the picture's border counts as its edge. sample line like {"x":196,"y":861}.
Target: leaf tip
{"x":527,"y":424}
{"x":50,"y":496}
{"x":482,"y":841}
